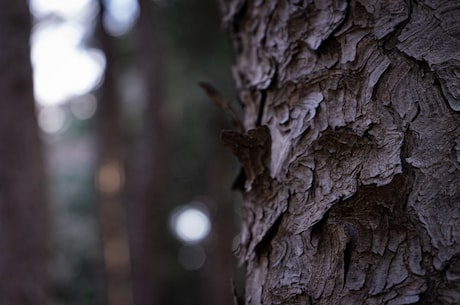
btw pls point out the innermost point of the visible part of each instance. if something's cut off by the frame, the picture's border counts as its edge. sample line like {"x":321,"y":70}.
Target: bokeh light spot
{"x":110,"y":177}
{"x":62,"y":67}
{"x":62,"y":8}
{"x":52,"y":119}
{"x":83,"y":107}
{"x":191,"y":257}
{"x":122,"y":15}
{"x":191,"y":224}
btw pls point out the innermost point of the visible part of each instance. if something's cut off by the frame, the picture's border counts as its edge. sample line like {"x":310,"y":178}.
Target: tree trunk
{"x":110,"y":178}
{"x":220,"y":259}
{"x":352,"y":150}
{"x":24,"y":238}
{"x":149,"y":171}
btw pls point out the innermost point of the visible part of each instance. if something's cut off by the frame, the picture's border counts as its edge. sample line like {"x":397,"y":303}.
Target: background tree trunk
{"x":352,"y":150}
{"x":149,"y":169}
{"x":24,"y":232}
{"x":111,"y":178}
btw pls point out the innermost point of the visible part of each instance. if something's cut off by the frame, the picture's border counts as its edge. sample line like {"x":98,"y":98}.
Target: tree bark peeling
{"x":352,"y":195}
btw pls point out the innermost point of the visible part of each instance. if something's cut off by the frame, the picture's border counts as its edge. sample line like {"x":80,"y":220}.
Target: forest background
{"x":138,"y":185}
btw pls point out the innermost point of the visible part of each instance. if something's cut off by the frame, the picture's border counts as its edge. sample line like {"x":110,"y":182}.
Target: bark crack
{"x":260,"y":114}
{"x":264,"y":245}
{"x":347,"y":260}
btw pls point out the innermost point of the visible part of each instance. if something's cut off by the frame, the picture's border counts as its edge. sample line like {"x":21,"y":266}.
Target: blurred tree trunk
{"x":352,"y":150}
{"x":24,"y":231}
{"x":110,"y":180}
{"x":220,"y":260}
{"x":149,"y":176}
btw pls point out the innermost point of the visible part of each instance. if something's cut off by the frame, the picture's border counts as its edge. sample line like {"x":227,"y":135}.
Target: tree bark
{"x":352,"y":150}
{"x":24,"y":232}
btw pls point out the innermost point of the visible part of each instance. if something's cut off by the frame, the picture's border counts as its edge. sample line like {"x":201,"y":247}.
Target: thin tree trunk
{"x":220,"y":259}
{"x":149,"y":175}
{"x":352,"y":150}
{"x":110,"y":179}
{"x":24,"y":231}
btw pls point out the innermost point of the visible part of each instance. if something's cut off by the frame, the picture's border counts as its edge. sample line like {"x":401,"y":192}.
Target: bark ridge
{"x":358,"y":202}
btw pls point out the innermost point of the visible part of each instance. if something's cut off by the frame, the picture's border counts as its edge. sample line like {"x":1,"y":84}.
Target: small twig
{"x":222,"y":103}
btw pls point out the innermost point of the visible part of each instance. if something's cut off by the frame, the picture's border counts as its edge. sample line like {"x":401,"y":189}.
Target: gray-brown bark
{"x":24,"y":239}
{"x":352,"y":150}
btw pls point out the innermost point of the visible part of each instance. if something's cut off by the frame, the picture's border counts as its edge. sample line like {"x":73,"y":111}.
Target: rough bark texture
{"x":352,"y":150}
{"x":24,"y":239}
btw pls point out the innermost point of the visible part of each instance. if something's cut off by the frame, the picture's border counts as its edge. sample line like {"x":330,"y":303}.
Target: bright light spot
{"x":52,"y":119}
{"x":191,"y":257}
{"x":122,"y":15}
{"x":83,"y":107}
{"x":67,"y":9}
{"x":191,"y":224}
{"x":62,"y":68}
